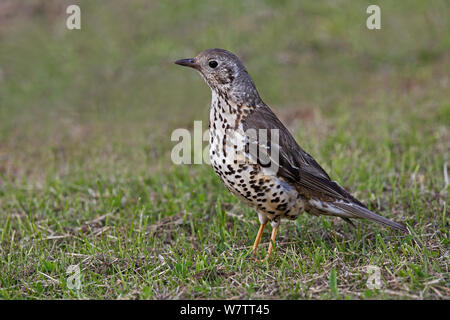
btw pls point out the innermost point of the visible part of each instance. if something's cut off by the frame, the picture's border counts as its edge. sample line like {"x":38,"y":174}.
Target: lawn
{"x":86,"y":177}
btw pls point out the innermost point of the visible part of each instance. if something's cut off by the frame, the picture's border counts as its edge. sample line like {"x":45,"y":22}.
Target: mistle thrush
{"x":279,"y":179}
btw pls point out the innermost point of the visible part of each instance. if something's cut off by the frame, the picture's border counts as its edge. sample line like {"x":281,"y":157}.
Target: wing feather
{"x":301,"y":170}
{"x":295,"y":164}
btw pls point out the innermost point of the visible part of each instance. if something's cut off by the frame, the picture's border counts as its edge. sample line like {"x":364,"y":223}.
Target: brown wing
{"x":301,"y":170}
{"x":296,"y":165}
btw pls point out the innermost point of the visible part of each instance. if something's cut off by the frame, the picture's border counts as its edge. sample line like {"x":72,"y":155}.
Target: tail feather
{"x":358,"y":211}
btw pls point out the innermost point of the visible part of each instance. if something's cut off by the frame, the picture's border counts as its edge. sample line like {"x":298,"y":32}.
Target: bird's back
{"x":301,"y":171}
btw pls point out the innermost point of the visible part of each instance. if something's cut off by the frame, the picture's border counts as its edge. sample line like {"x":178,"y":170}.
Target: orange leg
{"x":258,"y":238}
{"x":272,"y":242}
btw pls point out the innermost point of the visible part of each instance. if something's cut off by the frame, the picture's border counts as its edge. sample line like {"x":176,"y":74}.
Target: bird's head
{"x":225,"y":74}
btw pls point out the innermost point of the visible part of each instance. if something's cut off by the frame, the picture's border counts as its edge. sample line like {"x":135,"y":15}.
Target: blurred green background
{"x":85,"y":170}
{"x":110,"y":92}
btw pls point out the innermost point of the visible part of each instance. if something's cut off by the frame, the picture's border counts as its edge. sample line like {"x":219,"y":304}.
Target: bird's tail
{"x":350,"y":210}
{"x":357,"y":211}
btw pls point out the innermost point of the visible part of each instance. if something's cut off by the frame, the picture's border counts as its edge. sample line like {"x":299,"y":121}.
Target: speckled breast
{"x":242,"y":175}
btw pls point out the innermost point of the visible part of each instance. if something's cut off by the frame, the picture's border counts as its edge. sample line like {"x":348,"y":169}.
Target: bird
{"x":258,"y":159}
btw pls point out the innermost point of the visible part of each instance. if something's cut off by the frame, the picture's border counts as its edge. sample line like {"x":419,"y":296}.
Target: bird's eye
{"x":213,"y":64}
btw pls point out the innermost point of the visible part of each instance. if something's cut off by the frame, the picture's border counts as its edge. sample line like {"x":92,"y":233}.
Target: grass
{"x":85,"y":171}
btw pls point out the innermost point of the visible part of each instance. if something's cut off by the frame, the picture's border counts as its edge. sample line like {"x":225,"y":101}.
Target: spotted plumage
{"x":257,"y":158}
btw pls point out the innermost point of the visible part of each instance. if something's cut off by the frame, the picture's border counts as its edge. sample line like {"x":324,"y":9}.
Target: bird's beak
{"x":190,"y":62}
